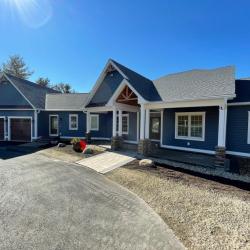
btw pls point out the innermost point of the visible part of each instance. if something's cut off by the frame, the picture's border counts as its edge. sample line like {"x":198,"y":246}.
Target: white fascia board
{"x":99,"y":109}
{"x":19,"y":91}
{"x":125,"y":107}
{"x":239,"y":104}
{"x":183,"y":104}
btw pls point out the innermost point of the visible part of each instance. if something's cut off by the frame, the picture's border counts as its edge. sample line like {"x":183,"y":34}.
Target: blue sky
{"x":70,"y":41}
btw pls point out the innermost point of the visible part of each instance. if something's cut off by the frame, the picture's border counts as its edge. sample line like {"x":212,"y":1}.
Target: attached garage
{"x":2,"y":129}
{"x":20,"y":129}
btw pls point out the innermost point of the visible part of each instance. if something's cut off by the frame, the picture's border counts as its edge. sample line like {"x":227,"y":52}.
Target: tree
{"x":42,"y":81}
{"x":64,"y":88}
{"x":17,"y":67}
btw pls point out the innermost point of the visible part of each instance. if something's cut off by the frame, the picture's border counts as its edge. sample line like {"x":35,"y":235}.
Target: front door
{"x":53,"y":125}
{"x":155,"y":126}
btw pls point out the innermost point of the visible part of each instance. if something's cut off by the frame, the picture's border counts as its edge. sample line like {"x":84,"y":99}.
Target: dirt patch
{"x":204,"y":214}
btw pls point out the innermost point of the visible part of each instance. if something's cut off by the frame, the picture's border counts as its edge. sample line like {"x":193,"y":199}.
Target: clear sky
{"x":71,"y":40}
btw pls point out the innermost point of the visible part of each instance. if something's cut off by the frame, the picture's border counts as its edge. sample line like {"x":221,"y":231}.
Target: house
{"x":203,"y":111}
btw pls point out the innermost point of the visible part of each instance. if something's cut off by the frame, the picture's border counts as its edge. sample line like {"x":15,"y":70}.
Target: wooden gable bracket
{"x":127,"y":96}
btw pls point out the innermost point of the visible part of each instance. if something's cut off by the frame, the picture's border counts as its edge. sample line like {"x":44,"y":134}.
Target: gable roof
{"x":33,"y":93}
{"x":144,"y":86}
{"x":66,"y":101}
{"x":197,"y":84}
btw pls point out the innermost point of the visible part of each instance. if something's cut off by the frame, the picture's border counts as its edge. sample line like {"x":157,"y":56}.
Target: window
{"x":94,"y":122}
{"x":190,"y":126}
{"x":125,"y":123}
{"x":73,"y":122}
{"x":53,"y":125}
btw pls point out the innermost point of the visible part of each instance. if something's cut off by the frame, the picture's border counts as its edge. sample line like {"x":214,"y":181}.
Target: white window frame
{"x":97,"y":128}
{"x":189,"y":137}
{"x":248,"y":131}
{"x":70,"y":124}
{"x":50,"y":125}
{"x":4,"y":128}
{"x":123,"y":132}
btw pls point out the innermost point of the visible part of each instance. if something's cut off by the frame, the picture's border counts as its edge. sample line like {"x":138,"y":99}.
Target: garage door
{"x":20,"y":129}
{"x":1,"y":129}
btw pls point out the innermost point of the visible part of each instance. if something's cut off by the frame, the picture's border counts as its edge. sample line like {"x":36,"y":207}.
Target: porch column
{"x":35,"y":124}
{"x":120,"y":123}
{"x":88,"y":122}
{"x":147,"y":124}
{"x":88,"y":135}
{"x":114,"y":121}
{"x":142,"y":123}
{"x":220,"y":150}
{"x":222,"y":126}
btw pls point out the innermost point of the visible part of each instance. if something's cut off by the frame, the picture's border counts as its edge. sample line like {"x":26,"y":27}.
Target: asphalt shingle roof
{"x":66,"y":101}
{"x":35,"y":93}
{"x":142,"y":85}
{"x":197,"y":84}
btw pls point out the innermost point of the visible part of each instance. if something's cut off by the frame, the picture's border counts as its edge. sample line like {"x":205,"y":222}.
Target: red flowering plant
{"x":78,"y":145}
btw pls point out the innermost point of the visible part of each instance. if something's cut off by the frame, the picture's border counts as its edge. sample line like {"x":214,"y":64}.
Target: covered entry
{"x":2,"y":132}
{"x":20,"y":129}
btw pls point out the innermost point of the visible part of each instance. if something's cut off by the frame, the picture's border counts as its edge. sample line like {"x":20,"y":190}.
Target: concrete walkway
{"x":107,"y":161}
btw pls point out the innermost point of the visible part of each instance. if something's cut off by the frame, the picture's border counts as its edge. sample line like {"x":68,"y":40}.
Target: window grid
{"x":190,"y":126}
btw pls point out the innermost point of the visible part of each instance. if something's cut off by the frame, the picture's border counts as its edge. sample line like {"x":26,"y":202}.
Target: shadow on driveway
{"x":10,"y":150}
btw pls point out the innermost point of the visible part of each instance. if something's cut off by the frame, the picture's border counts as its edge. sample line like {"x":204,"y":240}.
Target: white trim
{"x":70,"y":122}
{"x":66,"y":110}
{"x":71,"y":137}
{"x":20,"y":117}
{"x":154,"y":140}
{"x":142,"y":122}
{"x":35,"y":124}
{"x":114,"y":122}
{"x":248,"y":131}
{"x":189,"y":114}
{"x":161,"y":138}
{"x":17,"y":109}
{"x":131,"y":142}
{"x":118,"y":91}
{"x":203,"y":151}
{"x":101,"y":138}
{"x":19,"y":91}
{"x":99,"y":109}
{"x":239,"y":104}
{"x":147,"y":123}
{"x":222,"y":123}
{"x":101,"y":78}
{"x":126,"y":107}
{"x":124,"y":132}
{"x":186,"y":103}
{"x":138,"y":126}
{"x":4,"y":127}
{"x":238,"y":153}
{"x":54,"y":115}
{"x":97,"y":116}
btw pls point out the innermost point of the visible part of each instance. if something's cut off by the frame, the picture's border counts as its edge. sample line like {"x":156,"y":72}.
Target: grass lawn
{"x":204,"y":214}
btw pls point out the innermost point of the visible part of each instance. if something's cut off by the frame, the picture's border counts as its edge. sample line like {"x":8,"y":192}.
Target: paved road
{"x":49,"y":204}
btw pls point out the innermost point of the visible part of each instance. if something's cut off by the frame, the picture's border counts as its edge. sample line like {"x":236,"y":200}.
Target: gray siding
{"x":211,"y":129}
{"x":18,"y":113}
{"x":237,"y":129}
{"x":43,"y":124}
{"x":106,"y":89}
{"x":11,"y":98}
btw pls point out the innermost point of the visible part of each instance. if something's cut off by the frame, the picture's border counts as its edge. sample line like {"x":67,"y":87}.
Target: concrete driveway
{"x":49,"y":204}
